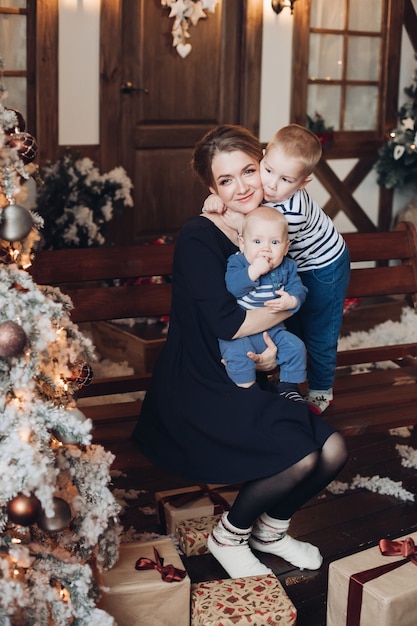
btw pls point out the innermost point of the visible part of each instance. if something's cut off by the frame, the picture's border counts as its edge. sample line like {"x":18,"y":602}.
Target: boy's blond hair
{"x":298,"y":142}
{"x":266,"y":213}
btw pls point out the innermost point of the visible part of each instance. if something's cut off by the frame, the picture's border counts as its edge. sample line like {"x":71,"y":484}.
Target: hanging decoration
{"x":186,"y":12}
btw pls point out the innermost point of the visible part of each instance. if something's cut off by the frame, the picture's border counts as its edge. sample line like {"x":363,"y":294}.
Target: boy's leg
{"x":239,"y":367}
{"x":320,"y":319}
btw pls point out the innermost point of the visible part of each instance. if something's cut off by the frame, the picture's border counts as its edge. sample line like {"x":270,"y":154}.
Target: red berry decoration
{"x":24,"y":510}
{"x":82,"y":373}
{"x":20,"y":124}
{"x":25,"y":144}
{"x":12,"y":339}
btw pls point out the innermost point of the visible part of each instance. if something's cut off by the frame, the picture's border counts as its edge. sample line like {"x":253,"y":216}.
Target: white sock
{"x":229,"y":545}
{"x":270,"y":535}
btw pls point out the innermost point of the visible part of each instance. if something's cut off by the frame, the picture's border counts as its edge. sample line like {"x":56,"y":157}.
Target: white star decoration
{"x":186,"y":12}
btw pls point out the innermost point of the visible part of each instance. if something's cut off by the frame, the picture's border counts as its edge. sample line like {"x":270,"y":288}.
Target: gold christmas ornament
{"x":15,"y":222}
{"x":23,"y":510}
{"x":60,"y":519}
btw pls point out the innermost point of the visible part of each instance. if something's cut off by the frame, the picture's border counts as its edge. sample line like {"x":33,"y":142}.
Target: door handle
{"x":129,"y":87}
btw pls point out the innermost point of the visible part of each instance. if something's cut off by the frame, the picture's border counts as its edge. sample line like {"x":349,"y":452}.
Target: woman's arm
{"x":258,"y":320}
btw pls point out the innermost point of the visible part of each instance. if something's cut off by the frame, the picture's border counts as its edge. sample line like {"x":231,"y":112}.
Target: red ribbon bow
{"x":178,"y":500}
{"x":169,"y":573}
{"x":405,"y":548}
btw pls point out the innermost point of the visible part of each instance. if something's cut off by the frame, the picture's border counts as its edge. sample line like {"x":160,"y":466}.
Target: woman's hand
{"x":266,"y":361}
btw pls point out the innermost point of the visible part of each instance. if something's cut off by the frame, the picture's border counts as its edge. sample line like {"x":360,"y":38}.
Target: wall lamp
{"x":278,"y":5}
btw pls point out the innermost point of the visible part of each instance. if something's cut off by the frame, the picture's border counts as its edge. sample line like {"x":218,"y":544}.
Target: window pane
{"x":16,"y":94}
{"x":363,"y":58}
{"x":325,"y":100}
{"x":325,"y":57}
{"x":326,"y":14}
{"x":361,"y":108}
{"x":365,"y":15}
{"x":15,"y":4}
{"x":13,"y":41}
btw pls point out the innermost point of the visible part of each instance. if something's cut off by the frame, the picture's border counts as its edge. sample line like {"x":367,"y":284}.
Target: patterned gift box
{"x":142,"y":597}
{"x":253,"y":600}
{"x":192,"y":502}
{"x":192,"y":534}
{"x":375,"y":587}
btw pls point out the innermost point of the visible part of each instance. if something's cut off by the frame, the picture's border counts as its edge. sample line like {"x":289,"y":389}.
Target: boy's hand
{"x":283,"y":302}
{"x":213,"y":204}
{"x":258,"y":267}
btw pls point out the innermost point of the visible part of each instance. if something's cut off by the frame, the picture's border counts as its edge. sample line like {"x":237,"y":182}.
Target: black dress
{"x":195,"y":421}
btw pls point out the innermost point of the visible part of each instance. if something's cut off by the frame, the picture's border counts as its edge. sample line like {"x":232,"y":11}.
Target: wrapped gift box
{"x":387,"y":599}
{"x":191,"y":502}
{"x":141,"y":598}
{"x":253,"y":600}
{"x":192,"y":534}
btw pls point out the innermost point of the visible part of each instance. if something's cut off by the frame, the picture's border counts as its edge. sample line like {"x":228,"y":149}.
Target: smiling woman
{"x":195,"y":421}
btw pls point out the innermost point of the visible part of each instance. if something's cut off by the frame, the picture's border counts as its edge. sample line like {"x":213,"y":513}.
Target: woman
{"x":195,"y":421}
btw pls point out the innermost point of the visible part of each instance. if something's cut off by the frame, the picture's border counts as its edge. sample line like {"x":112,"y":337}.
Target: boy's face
{"x":262,"y":238}
{"x":281,"y":175}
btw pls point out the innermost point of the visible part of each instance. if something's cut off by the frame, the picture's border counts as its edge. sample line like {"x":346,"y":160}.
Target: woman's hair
{"x":222,"y":138}
{"x":298,"y":142}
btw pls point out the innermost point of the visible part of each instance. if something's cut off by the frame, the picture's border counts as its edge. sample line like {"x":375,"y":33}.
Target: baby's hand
{"x":213,"y":204}
{"x":258,"y":267}
{"x":283,"y":302}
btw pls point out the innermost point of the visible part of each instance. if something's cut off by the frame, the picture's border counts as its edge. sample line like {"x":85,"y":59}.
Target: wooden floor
{"x":338,"y":524}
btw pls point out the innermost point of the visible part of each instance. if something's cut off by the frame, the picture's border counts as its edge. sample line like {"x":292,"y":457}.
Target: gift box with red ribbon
{"x":253,"y":600}
{"x":192,"y":534}
{"x":192,"y":502}
{"x":148,"y":585}
{"x":375,"y":587}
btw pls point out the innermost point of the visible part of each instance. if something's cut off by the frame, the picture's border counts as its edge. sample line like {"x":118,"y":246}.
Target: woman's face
{"x":237,"y":181}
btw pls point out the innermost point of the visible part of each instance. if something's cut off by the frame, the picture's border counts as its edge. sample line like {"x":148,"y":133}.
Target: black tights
{"x":281,"y":495}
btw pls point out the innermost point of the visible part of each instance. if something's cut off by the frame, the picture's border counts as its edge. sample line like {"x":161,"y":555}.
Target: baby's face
{"x":265,"y":239}
{"x":281,"y":175}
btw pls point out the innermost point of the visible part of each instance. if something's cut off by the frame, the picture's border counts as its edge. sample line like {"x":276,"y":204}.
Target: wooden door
{"x":170,"y":102}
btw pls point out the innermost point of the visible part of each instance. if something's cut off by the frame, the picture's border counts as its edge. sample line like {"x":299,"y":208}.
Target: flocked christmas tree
{"x":397,"y":164}
{"x":58,"y":518}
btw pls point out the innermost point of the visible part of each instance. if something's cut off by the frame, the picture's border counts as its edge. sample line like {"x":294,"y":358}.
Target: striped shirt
{"x":314,"y":240}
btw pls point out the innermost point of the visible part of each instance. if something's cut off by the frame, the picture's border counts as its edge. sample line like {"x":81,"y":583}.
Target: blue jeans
{"x":319,"y":320}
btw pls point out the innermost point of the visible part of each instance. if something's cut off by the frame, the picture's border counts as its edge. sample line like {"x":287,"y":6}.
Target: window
{"x":344,"y":70}
{"x":341,"y":69}
{"x":17,"y":53}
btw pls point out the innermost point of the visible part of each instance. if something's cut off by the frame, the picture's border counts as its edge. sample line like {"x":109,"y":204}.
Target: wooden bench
{"x":381,"y":398}
{"x":374,"y":400}
{"x":88,"y":276}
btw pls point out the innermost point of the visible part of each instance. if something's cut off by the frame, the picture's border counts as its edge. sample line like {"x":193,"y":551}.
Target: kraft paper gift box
{"x":253,"y":600}
{"x":191,"y":502}
{"x":383,"y":596}
{"x":141,"y":597}
{"x":192,"y":534}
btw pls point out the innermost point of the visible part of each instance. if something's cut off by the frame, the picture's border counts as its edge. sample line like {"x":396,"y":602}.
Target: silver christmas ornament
{"x":60,"y":519}
{"x":15,"y":222}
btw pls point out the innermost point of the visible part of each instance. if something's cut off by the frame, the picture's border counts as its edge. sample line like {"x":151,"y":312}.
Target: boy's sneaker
{"x":319,"y":401}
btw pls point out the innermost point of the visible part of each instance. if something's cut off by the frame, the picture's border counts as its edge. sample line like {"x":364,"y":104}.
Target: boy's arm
{"x":295,"y":286}
{"x":237,"y":277}
{"x":293,"y":293}
{"x":213,"y":204}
